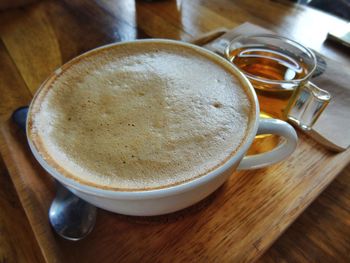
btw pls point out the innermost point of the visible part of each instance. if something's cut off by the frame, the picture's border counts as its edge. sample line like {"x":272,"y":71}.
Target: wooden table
{"x":38,"y":38}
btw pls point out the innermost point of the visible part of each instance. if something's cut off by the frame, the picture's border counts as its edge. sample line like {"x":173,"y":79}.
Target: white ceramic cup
{"x":174,"y":198}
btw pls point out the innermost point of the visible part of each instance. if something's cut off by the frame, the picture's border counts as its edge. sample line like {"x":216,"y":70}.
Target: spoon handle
{"x":19,"y":117}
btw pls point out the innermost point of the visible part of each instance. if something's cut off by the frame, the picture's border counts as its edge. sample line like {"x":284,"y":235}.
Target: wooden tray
{"x":237,"y":223}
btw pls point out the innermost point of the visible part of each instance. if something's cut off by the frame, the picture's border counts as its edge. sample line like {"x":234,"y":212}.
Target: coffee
{"x":140,"y":115}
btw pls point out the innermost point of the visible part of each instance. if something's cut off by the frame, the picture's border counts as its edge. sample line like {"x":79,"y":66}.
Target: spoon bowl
{"x":71,"y":217}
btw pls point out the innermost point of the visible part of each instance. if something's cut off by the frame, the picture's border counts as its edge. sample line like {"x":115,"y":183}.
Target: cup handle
{"x":306,"y":105}
{"x":282,"y":151}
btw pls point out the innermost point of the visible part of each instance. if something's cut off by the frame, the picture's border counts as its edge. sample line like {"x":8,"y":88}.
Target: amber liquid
{"x":262,"y":65}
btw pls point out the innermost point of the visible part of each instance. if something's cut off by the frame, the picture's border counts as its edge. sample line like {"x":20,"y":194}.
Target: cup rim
{"x":287,"y":40}
{"x":168,"y":190}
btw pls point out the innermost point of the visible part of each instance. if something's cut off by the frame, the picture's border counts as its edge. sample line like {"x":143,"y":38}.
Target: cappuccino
{"x":140,"y":116}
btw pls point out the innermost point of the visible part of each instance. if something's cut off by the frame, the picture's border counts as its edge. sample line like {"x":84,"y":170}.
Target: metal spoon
{"x":70,"y":217}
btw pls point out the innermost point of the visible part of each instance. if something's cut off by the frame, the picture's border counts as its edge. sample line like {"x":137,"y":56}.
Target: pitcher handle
{"x":306,"y":105}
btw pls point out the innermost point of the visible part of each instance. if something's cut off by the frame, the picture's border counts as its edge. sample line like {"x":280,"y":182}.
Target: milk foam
{"x":139,"y":117}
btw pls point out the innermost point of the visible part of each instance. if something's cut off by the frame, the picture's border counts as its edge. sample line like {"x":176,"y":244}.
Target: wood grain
{"x":14,"y":93}
{"x":17,"y":242}
{"x":29,"y":183}
{"x":40,"y":37}
{"x":322,"y":232}
{"x":39,"y":56}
